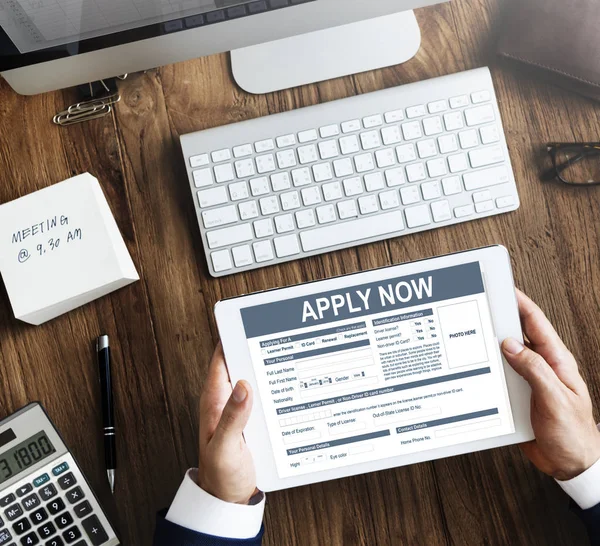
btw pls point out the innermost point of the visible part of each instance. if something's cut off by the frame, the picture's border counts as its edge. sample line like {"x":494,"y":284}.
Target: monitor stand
{"x":327,"y":54}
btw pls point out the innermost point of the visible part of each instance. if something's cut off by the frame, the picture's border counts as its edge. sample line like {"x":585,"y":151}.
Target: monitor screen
{"x":33,"y":31}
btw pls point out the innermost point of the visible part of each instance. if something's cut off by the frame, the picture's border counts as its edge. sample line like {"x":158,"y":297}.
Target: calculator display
{"x":26,"y":454}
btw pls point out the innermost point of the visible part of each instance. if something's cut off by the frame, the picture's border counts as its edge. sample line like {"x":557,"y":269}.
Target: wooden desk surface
{"x":162,"y":327}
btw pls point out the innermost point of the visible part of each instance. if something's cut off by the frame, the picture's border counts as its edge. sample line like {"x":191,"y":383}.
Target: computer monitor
{"x":53,"y":44}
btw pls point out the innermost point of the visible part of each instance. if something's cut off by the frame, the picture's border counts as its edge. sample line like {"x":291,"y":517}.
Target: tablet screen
{"x":379,"y":370}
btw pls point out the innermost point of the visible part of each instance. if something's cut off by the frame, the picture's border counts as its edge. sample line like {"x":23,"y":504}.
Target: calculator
{"x":44,"y":497}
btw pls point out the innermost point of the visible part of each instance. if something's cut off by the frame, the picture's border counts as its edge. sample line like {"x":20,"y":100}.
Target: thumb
{"x":531,"y":367}
{"x":235,"y":413}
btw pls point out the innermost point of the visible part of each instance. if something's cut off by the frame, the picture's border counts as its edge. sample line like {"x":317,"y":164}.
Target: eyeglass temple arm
{"x":552,"y":173}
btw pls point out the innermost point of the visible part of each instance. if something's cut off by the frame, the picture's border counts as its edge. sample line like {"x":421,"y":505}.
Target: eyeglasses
{"x":574,"y":164}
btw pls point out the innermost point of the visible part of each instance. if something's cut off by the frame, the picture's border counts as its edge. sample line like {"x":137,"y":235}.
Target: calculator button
{"x":48,"y":492}
{"x":46,"y":530}
{"x":31,"y":502}
{"x":75,"y":495}
{"x":21,"y":526}
{"x":24,"y":490}
{"x":58,"y":470}
{"x":5,"y":536}
{"x":56,"y":506}
{"x":68,"y":480}
{"x":13,"y":512}
{"x":63,"y":520}
{"x":41,"y":480}
{"x":56,"y":541}
{"x":83,"y":509}
{"x":30,"y":540}
{"x":94,"y":530}
{"x":71,"y":535}
{"x":38,"y":516}
{"x":5,"y":501}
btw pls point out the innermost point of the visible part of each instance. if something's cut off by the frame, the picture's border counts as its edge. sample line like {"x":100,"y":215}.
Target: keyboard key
{"x":343,"y":167}
{"x":75,"y":495}
{"x":489,"y":134}
{"x":259,"y":186}
{"x":480,"y":115}
{"x":263,"y":228}
{"x":452,"y":185}
{"x":242,"y":257}
{"x":301,"y":177}
{"x":394,"y":116}
{"x":347,"y":209}
{"x":322,"y":172}
{"x":308,"y":154}
{"x":264,"y":146}
{"x":13,"y":512}
{"x":286,"y":140}
{"x":46,"y":530}
{"x":431,"y":190}
{"x":459,"y":102}
{"x":263,"y":251}
{"x":482,"y":196}
{"x":284,"y":223}
{"x":328,"y":149}
{"x":269,"y":205}
{"x":504,"y":202}
{"x":480,"y":96}
{"x":448,"y":144}
{"x":224,"y":173}
{"x":326,"y":214}
{"x":265,"y":164}
{"x":248,"y":210}
{"x":364,"y":163}
{"x":21,"y":526}
{"x":38,"y":516}
{"x":286,"y":246}
{"x":349,"y":145}
{"x":221,"y":155}
{"x":417,"y":216}
{"x":368,"y":204}
{"x":308,"y":136}
{"x":468,"y":139}
{"x":94,"y":530}
{"x":370,"y":140}
{"x":23,"y":490}
{"x":416,"y":172}
{"x":290,"y":200}
{"x":458,"y":163}
{"x":486,"y":157}
{"x":437,"y":106}
{"x":238,"y":191}
{"x":195,"y":162}
{"x":64,"y":520}
{"x":391,"y":135}
{"x":311,"y":196}
{"x":41,"y":480}
{"x":229,"y":236}
{"x":385,"y":158}
{"x":30,"y":540}
{"x":415,"y":111}
{"x":389,"y":200}
{"x":55,"y":506}
{"x":286,"y":159}
{"x":203,"y":178}
{"x":437,"y":167}
{"x":6,"y":500}
{"x":453,"y":121}
{"x":5,"y":536}
{"x":441,"y":211}
{"x":305,"y":218}
{"x":372,"y":121}
{"x":219,"y":217}
{"x":395,"y":177}
{"x":427,"y":148}
{"x":343,"y":233}
{"x":281,"y":181}
{"x":244,"y":168}
{"x":485,"y":206}
{"x":374,"y":182}
{"x":353,"y":186}
{"x":406,"y":153}
{"x":221,"y":261}
{"x":57,"y":541}
{"x":207,"y":198}
{"x":410,"y":195}
{"x":351,"y":126}
{"x":329,"y":131}
{"x":242,"y":151}
{"x":466,"y":210}
{"x":72,"y":534}
{"x":412,"y":130}
{"x":433,"y":126}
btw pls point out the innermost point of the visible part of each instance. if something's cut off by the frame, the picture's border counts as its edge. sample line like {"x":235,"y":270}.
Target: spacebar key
{"x":353,"y":231}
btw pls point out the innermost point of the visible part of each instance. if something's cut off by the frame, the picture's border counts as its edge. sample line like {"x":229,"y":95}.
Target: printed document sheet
{"x":379,"y":370}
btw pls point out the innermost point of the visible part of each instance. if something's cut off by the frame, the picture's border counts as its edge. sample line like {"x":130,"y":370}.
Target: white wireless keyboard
{"x":349,"y":172}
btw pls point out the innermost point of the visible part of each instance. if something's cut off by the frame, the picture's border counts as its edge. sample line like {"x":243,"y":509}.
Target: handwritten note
{"x":60,"y":248}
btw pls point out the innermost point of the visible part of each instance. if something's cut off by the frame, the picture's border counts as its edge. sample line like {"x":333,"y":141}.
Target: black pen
{"x":108,"y":412}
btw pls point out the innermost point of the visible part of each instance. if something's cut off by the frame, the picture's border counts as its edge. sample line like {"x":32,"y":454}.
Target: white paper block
{"x":60,"y":248}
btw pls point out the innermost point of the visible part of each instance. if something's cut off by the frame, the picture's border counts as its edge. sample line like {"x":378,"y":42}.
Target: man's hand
{"x":226,"y":469}
{"x":567,"y":441}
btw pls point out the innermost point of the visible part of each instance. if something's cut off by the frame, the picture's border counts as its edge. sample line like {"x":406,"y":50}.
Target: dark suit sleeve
{"x":169,"y":534}
{"x":591,"y":520}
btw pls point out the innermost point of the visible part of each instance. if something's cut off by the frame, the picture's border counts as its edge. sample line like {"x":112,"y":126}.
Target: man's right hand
{"x":567,"y":441}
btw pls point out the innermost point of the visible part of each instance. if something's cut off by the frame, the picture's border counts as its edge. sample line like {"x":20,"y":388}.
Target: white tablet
{"x":378,"y":369}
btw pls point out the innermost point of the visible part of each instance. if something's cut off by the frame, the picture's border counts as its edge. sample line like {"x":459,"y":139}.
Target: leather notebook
{"x":560,"y":39}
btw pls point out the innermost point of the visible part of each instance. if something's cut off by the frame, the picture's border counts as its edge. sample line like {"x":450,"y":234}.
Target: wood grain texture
{"x":163,"y":330}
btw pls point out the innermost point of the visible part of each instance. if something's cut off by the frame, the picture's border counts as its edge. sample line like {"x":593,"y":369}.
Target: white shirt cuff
{"x":197,"y":510}
{"x":585,"y":488}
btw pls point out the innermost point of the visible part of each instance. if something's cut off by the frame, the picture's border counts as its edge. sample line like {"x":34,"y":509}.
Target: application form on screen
{"x":379,"y":370}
